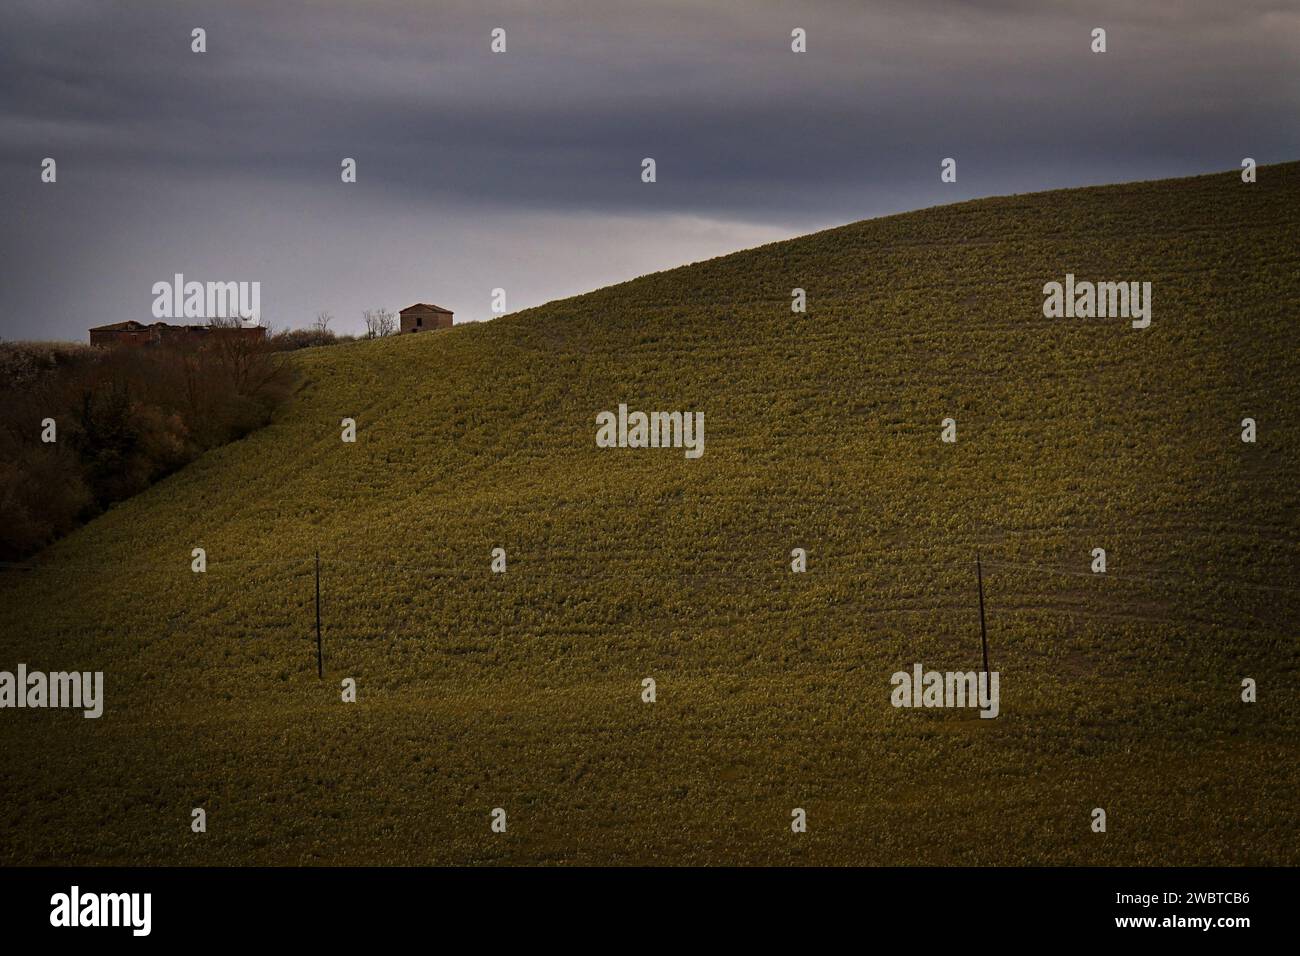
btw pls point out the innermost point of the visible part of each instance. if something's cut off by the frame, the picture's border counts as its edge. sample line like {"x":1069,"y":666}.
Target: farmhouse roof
{"x":424,"y":306}
{"x":129,"y":326}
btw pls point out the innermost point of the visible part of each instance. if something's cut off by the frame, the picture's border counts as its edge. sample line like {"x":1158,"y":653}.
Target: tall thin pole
{"x":320,"y":658}
{"x":984,"y":639}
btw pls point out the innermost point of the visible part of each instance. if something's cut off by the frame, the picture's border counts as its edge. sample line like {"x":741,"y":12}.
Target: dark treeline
{"x":122,"y":418}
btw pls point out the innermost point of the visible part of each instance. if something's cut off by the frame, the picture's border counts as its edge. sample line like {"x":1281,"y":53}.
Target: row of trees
{"x":82,"y":428}
{"x":123,"y":418}
{"x":378,"y":323}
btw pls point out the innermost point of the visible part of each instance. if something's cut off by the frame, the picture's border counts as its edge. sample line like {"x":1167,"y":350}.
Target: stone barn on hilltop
{"x":421,"y":317}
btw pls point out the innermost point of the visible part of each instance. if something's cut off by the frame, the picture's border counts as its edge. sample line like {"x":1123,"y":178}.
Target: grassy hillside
{"x":522,"y":690}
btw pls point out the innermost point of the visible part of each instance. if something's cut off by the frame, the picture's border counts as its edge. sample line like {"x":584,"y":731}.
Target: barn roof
{"x":425,"y":307}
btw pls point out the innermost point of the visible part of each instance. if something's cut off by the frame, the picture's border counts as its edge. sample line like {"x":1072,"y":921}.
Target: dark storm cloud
{"x":479,"y":170}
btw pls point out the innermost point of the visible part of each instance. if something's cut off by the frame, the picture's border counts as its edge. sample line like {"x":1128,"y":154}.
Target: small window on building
{"x":419,"y":320}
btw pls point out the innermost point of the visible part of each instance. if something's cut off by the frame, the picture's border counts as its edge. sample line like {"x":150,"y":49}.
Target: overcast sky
{"x":522,"y":170}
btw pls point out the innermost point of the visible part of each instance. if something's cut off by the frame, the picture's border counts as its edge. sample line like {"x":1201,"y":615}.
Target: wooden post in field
{"x":984,"y":640}
{"x":320,"y":658}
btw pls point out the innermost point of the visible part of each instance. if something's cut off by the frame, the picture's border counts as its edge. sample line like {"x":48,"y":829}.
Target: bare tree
{"x":379,"y":322}
{"x":238,"y":322}
{"x":322,"y":323}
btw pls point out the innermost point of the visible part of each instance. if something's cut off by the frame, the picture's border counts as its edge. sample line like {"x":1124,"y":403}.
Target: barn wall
{"x":432,"y":320}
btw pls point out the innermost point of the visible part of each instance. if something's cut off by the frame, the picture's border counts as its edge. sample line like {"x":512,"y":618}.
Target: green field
{"x":523,"y":690}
